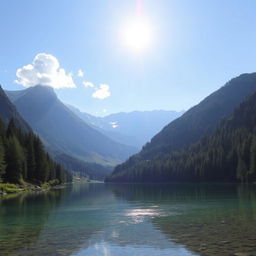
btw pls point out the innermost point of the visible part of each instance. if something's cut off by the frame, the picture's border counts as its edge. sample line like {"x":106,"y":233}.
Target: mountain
{"x":174,"y":140}
{"x":22,"y":155}
{"x":99,"y":124}
{"x":134,"y":128}
{"x":8,"y":111}
{"x":142,"y":125}
{"x":62,"y":131}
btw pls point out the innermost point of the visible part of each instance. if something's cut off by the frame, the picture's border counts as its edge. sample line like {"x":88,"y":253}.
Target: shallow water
{"x":120,"y":220}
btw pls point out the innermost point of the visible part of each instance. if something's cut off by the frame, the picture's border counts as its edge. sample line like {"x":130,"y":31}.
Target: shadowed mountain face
{"x":63,"y":131}
{"x":8,"y":111}
{"x":134,"y":128}
{"x":203,"y":118}
{"x":196,"y":123}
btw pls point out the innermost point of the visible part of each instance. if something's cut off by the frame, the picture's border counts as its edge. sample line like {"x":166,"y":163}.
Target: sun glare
{"x":137,"y":34}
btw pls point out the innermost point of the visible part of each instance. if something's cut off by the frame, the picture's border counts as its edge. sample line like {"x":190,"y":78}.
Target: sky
{"x":93,"y":54}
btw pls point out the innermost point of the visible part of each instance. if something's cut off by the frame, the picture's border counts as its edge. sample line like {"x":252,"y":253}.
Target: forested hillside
{"x":229,"y":154}
{"x":23,"y":159}
{"x":201,"y":119}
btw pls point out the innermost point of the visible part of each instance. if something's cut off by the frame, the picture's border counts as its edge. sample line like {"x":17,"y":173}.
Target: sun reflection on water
{"x":138,"y":215}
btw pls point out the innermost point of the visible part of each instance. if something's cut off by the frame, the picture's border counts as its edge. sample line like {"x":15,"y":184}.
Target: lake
{"x":118,"y":220}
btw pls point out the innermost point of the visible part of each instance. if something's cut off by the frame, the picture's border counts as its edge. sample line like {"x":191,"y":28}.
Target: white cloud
{"x":88,"y":84}
{"x":102,"y":93}
{"x":44,"y":70}
{"x":80,"y":73}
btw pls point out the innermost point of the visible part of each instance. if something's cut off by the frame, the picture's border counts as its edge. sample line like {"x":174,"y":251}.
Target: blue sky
{"x":196,"y":47}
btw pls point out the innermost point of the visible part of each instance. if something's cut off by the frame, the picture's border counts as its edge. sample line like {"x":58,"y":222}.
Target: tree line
{"x":24,"y":159}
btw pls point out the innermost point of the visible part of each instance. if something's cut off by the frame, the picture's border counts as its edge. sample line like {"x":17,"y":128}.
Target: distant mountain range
{"x":134,"y":128}
{"x":197,"y":146}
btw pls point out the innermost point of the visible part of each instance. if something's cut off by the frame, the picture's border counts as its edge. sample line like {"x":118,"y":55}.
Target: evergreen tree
{"x":60,"y":175}
{"x":15,"y":161}
{"x":31,"y":162}
{"x":2,"y":160}
{"x":22,"y":157}
{"x":52,"y":169}
{"x":2,"y":129}
{"x":42,"y":168}
{"x":11,"y":129}
{"x":253,"y":158}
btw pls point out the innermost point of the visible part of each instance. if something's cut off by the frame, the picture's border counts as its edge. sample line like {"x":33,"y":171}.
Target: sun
{"x":137,"y":34}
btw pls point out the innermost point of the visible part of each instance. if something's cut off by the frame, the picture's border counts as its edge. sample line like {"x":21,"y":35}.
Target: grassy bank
{"x":8,"y":188}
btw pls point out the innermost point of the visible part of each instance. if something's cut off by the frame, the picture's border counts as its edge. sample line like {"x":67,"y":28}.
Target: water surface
{"x":120,"y":220}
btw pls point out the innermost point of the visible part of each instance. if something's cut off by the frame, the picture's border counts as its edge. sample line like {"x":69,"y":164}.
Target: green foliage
{"x":23,"y":158}
{"x":229,"y":155}
{"x":8,"y":188}
{"x":54,"y":182}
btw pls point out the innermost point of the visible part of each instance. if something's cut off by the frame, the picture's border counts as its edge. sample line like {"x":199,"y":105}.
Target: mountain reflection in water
{"x":99,"y":219}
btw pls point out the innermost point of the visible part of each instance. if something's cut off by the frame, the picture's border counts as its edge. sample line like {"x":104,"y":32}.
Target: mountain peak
{"x":41,"y":94}
{"x":42,"y":89}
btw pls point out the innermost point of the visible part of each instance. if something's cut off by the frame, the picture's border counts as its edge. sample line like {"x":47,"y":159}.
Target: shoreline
{"x":9,"y":188}
{"x":15,"y":189}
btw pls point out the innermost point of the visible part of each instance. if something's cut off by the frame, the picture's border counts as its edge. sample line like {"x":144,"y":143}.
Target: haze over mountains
{"x":134,"y":128}
{"x":199,"y":121}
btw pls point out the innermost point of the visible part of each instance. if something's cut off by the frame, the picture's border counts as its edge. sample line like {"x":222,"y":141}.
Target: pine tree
{"x":60,"y":174}
{"x":2,"y":129}
{"x":31,"y":162}
{"x":22,"y":157}
{"x":52,"y":169}
{"x":11,"y":129}
{"x":253,"y":157}
{"x":2,"y":160}
{"x":42,"y":167}
{"x":15,"y":161}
